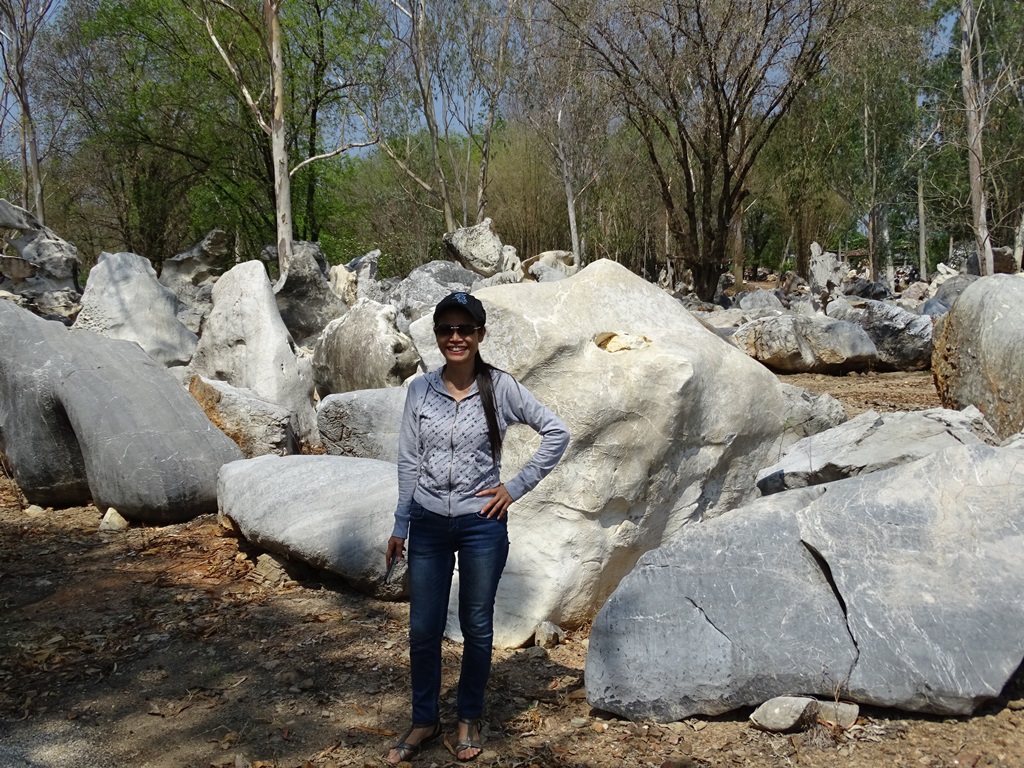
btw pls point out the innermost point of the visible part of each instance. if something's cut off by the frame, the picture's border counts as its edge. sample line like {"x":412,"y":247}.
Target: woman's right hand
{"x":396,"y":549}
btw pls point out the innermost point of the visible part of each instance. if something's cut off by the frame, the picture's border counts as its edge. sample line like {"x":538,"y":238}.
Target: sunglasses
{"x":444,"y":331}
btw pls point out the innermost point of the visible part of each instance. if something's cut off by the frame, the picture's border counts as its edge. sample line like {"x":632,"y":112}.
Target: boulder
{"x":551,"y":265}
{"x":903,"y":339}
{"x":947,"y":292}
{"x":419,"y":293}
{"x":190,"y":276}
{"x":304,"y":296}
{"x":801,"y":344}
{"x":806,"y":413}
{"x":542,"y":273}
{"x":87,"y":417}
{"x":977,"y":359}
{"x":669,"y":425}
{"x":344,"y":284}
{"x":827,"y":271}
{"x":333,"y":512}
{"x":124,"y":300}
{"x":257,"y":426}
{"x":872,"y":442}
{"x":785,"y":713}
{"x":502,"y":278}
{"x":422,"y":334}
{"x":478,"y":249}
{"x":759,"y":299}
{"x":362,"y":424}
{"x":897,"y":589}
{"x":44,"y":262}
{"x":363,"y":350}
{"x":246,"y":344}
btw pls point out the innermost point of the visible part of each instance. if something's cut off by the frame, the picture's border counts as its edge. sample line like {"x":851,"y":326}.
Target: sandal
{"x":469,"y":742}
{"x":407,"y":751}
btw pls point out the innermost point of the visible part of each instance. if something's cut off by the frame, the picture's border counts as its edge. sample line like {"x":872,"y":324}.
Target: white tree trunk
{"x":278,"y":145}
{"x":1018,"y":242}
{"x":975,"y":108}
{"x":570,"y":193}
{"x":922,"y":238}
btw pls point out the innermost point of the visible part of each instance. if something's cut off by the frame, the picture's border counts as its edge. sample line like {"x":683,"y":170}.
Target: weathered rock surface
{"x":785,"y":713}
{"x":759,"y":299}
{"x":946,"y":294}
{"x":85,"y":416}
{"x":805,"y":413}
{"x":871,"y":442}
{"x":903,"y":339}
{"x":419,"y":293}
{"x":333,"y":512}
{"x":246,"y":344}
{"x":44,"y":262}
{"x":899,"y":589}
{"x":124,"y":300}
{"x":363,"y":350}
{"x":190,"y":275}
{"x":304,"y":296}
{"x":827,"y":271}
{"x":550,"y":265}
{"x":422,"y":334}
{"x":801,"y":344}
{"x":362,"y":424}
{"x":978,"y":356}
{"x":477,"y":248}
{"x":257,"y":426}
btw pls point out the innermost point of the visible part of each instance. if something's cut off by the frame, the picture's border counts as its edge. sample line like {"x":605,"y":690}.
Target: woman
{"x":451,"y":500}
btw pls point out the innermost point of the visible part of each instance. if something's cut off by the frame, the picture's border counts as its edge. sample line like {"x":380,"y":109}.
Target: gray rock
{"x":785,"y":713}
{"x":548,"y":635}
{"x":190,"y":275}
{"x":304,"y":296}
{"x":113,"y":522}
{"x":365,"y":266}
{"x":83,"y":416}
{"x":344,"y":284}
{"x":840,"y":713}
{"x":124,"y":300}
{"x":502,"y":278}
{"x":871,"y":442}
{"x":44,"y":262}
{"x":477,"y":248}
{"x":799,"y":344}
{"x":903,"y":339}
{"x":759,"y":299}
{"x":419,"y":293}
{"x":332,"y":512}
{"x":806,"y":413}
{"x":826,"y":269}
{"x":946,"y":295}
{"x":897,"y":589}
{"x":246,"y":344}
{"x":257,"y":426}
{"x":363,"y":350}
{"x":422,"y":334}
{"x":362,"y":424}
{"x":542,"y":273}
{"x":978,"y":345}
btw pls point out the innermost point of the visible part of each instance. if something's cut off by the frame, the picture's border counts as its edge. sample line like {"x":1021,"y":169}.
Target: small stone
{"x":785,"y":713}
{"x":534,"y":652}
{"x":548,"y":635}
{"x":307,"y":684}
{"x":578,"y":722}
{"x":700,"y":725}
{"x":34,"y":510}
{"x":1016,"y":705}
{"x":841,"y":713}
{"x":112,"y":521}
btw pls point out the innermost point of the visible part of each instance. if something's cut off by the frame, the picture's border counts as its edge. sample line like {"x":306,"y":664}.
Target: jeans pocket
{"x":416,"y":511}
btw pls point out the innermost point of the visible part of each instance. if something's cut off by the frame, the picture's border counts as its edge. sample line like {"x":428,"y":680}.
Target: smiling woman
{"x":451,"y":501}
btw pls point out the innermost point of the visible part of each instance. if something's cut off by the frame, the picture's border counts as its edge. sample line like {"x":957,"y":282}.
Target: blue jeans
{"x":482,"y":546}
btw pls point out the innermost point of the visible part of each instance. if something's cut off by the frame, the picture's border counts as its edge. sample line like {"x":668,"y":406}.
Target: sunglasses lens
{"x":448,"y":330}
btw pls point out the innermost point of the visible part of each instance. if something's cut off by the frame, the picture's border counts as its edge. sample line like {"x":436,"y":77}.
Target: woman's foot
{"x":469,"y":745}
{"x":412,"y":742}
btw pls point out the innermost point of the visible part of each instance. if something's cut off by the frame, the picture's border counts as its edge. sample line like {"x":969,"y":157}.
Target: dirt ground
{"x":165,"y":647}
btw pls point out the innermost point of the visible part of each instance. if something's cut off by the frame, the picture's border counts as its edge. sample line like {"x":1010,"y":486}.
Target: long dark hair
{"x":485,"y":385}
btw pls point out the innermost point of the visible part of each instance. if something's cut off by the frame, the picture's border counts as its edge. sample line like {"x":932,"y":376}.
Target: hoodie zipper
{"x":451,"y":460}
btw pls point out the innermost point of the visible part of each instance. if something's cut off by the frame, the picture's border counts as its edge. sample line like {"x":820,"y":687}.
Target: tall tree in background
{"x":20,"y":23}
{"x":689,"y":72}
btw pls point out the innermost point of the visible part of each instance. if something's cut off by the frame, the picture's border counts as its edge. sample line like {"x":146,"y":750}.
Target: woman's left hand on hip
{"x":499,"y":502}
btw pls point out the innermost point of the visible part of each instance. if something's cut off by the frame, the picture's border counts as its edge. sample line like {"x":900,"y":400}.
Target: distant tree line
{"x":664,"y":134}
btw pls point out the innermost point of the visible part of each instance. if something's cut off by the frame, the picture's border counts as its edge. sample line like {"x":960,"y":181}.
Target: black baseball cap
{"x":464,"y":301}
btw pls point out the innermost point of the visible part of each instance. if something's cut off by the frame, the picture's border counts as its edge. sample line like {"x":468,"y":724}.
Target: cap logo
{"x":460,"y":297}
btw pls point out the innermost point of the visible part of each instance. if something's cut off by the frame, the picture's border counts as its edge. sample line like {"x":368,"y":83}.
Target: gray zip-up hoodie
{"x":444,"y":456}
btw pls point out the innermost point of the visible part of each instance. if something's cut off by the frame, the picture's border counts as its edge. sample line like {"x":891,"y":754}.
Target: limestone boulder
{"x":44,"y":261}
{"x":86,"y":417}
{"x":872,"y":442}
{"x":897,"y":589}
{"x":759,"y":299}
{"x":344,"y":283}
{"x":304,"y":296}
{"x":827,"y":271}
{"x":257,"y":426}
{"x":362,"y":424}
{"x":978,"y":356}
{"x":946,"y":293}
{"x":418,"y":294}
{"x":124,"y":300}
{"x":422,"y":334}
{"x":551,"y":265}
{"x":806,"y":413}
{"x":477,"y":248}
{"x":246,"y":344}
{"x":801,"y":344}
{"x":190,"y":276}
{"x":903,"y":339}
{"x":363,"y":350}
{"x":333,"y":512}
{"x":669,"y":425}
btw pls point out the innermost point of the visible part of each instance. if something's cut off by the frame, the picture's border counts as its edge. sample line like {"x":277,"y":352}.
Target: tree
{"x":689,"y":73}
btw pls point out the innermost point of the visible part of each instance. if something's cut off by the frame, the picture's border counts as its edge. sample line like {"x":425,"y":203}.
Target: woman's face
{"x":454,"y":345}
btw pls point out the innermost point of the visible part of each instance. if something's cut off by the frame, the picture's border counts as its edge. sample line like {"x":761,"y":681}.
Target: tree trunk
{"x":736,"y":249}
{"x":974,"y":112}
{"x":570,"y":194}
{"x":1018,"y":242}
{"x":278,"y":145}
{"x":922,"y":238}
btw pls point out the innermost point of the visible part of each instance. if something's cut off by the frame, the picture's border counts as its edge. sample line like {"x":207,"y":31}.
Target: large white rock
{"x":246,"y":344}
{"x":903,"y":339}
{"x":422,"y":334}
{"x":363,"y":424}
{"x":477,"y":248}
{"x":801,"y":344}
{"x":669,"y":425}
{"x":899,"y":589}
{"x":418,"y":294}
{"x":363,"y":350}
{"x":979,"y":352}
{"x":257,"y":426}
{"x":871,"y":442}
{"x":806,"y":413}
{"x":305,"y":299}
{"x":190,"y":275}
{"x":124,"y":300}
{"x":333,"y":512}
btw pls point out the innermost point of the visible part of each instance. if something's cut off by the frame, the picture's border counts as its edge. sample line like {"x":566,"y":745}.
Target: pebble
{"x":578,"y":722}
{"x":34,"y":510}
{"x":113,"y":522}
